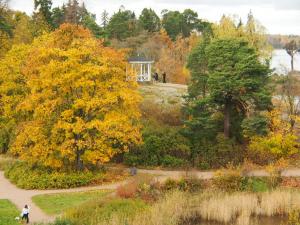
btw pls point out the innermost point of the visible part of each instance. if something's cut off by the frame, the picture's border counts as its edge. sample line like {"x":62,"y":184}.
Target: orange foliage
{"x":128,"y":190}
{"x":172,"y":59}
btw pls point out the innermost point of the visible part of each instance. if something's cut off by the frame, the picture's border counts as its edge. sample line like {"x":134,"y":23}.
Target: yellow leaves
{"x":275,"y":143}
{"x":252,"y":32}
{"x":78,"y":103}
{"x":280,"y":141}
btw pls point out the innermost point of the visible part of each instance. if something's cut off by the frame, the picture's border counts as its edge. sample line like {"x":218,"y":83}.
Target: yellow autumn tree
{"x":79,"y":108}
{"x":280,"y":142}
{"x":252,"y":32}
{"x":13,"y":90}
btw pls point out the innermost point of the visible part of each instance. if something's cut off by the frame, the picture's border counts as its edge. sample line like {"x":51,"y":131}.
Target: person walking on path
{"x":25,"y":213}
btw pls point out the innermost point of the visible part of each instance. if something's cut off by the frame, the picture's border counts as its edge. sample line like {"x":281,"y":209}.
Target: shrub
{"x":229,"y":181}
{"x":189,"y":184}
{"x":128,"y":190}
{"x":272,"y":147}
{"x":293,"y":182}
{"x":163,"y":146}
{"x":171,"y":161}
{"x":27,"y":177}
{"x":256,"y":185}
{"x":170,"y":184}
{"x":217,"y":153}
{"x":143,"y":187}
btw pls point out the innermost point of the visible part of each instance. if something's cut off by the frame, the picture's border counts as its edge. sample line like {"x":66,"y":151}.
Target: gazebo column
{"x":149,"y":72}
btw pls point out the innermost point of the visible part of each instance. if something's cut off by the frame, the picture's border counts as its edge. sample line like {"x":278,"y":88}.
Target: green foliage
{"x":5,"y":26}
{"x":89,"y":21}
{"x":198,"y":66}
{"x":256,"y":125}
{"x":231,"y":83}
{"x":58,"y":203}
{"x":163,"y":146}
{"x":122,"y":25}
{"x":216,"y":152}
{"x":149,"y":21}
{"x":27,"y":177}
{"x":44,"y":8}
{"x":58,"y":16}
{"x":171,"y":161}
{"x":8,"y":213}
{"x":256,"y":185}
{"x":176,"y":23}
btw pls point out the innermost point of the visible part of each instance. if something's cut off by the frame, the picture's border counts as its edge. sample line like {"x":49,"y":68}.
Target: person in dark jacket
{"x":164,"y":75}
{"x":155,"y":77}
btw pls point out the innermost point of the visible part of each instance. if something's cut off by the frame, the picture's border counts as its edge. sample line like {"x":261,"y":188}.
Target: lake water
{"x":281,"y":61}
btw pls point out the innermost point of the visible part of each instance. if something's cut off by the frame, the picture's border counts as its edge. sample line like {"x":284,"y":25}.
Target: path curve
{"x":20,"y":197}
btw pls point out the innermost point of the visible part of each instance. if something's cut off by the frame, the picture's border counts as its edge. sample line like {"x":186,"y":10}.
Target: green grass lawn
{"x":8,"y":213}
{"x":57,"y":203}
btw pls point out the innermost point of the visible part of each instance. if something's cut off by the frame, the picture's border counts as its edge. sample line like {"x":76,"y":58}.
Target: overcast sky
{"x":278,"y":16}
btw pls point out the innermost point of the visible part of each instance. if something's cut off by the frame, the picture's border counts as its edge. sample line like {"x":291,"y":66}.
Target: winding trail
{"x":21,"y":197}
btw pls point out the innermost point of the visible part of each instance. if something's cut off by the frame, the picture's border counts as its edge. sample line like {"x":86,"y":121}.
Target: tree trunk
{"x":227,"y":120}
{"x":79,"y":162}
{"x":292,"y":63}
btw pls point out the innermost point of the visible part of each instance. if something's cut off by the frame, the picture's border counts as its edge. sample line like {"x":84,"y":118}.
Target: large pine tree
{"x":228,"y":79}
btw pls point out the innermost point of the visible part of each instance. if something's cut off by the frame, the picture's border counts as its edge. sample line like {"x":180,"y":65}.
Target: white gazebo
{"x":140,"y":68}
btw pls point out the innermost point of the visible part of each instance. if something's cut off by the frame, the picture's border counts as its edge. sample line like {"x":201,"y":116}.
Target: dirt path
{"x":21,"y":197}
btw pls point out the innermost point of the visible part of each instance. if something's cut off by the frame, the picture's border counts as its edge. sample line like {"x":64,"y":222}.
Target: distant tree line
{"x":279,"y":41}
{"x":120,"y":25}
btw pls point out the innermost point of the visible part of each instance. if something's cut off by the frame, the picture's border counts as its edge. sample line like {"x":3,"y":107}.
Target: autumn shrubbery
{"x":28,"y":177}
{"x":188,"y":184}
{"x":232,"y":181}
{"x":143,"y":187}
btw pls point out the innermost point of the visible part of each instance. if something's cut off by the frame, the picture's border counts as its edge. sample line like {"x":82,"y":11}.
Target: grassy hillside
{"x":163,"y":102}
{"x":167,"y":94}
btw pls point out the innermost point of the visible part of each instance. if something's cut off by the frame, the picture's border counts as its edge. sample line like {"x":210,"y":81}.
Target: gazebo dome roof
{"x":140,"y":59}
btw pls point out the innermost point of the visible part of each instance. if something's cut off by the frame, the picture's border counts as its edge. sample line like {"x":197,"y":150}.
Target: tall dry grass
{"x":239,"y":207}
{"x":234,"y":208}
{"x":167,"y":211}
